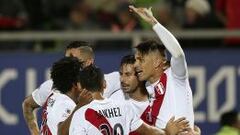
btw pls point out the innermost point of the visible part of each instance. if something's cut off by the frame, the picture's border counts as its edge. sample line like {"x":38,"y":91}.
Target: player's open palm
{"x":174,"y":127}
{"x":144,"y":13}
{"x":85,"y":97}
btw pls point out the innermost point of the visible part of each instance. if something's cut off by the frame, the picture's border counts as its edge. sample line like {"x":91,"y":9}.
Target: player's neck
{"x":72,"y":96}
{"x":155,"y":77}
{"x":97,"y":96}
{"x":140,"y":94}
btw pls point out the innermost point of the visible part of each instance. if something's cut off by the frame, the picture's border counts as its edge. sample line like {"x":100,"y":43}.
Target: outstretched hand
{"x":145,"y":13}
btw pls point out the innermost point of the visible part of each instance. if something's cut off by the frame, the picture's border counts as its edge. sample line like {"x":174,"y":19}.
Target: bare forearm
{"x":156,"y":131}
{"x":145,"y":129}
{"x":28,"y":107}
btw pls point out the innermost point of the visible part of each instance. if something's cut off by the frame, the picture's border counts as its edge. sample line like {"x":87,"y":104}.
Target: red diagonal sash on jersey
{"x":150,"y":116}
{"x":44,"y":127}
{"x":99,"y":121}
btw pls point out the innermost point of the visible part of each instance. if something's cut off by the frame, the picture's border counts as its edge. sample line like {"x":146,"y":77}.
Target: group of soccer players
{"x":149,"y":95}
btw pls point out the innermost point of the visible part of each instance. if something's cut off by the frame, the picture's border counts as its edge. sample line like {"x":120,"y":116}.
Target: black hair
{"x":91,"y":78}
{"x":149,"y":46}
{"x":229,"y":118}
{"x":128,"y":59}
{"x":77,"y":44}
{"x":65,"y":73}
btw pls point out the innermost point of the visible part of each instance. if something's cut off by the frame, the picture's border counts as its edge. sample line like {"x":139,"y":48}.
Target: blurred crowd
{"x":114,"y":15}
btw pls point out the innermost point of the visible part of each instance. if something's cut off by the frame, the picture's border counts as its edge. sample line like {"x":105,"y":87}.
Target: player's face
{"x":144,"y":66}
{"x":81,"y":56}
{"x":128,"y":78}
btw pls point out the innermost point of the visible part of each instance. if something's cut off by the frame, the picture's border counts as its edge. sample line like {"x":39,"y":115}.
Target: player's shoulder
{"x":46,"y":84}
{"x":63,"y":100}
{"x":111,"y":75}
{"x":124,"y":104}
{"x":168,"y":71}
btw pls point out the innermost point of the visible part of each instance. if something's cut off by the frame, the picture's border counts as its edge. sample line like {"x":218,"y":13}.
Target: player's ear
{"x":157,"y":62}
{"x":79,"y":87}
{"x":89,"y":62}
{"x":104,"y":84}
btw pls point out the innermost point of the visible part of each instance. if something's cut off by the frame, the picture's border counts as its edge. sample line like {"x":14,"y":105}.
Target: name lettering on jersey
{"x":110,"y":113}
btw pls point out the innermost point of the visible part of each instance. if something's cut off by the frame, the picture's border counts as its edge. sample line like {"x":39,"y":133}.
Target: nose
{"x":121,"y":78}
{"x":136,"y":64}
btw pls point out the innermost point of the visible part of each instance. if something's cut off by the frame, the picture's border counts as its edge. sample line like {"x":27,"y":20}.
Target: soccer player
{"x":84,"y":53}
{"x":66,"y":97}
{"x":110,"y":117}
{"x":134,"y":90}
{"x":168,"y":87}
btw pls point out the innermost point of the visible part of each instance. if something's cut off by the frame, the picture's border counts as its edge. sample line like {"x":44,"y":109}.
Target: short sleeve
{"x":113,"y":83}
{"x":41,"y":94}
{"x":61,"y":112}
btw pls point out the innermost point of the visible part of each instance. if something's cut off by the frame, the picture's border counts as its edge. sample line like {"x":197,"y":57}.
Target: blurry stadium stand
{"x":135,"y":37}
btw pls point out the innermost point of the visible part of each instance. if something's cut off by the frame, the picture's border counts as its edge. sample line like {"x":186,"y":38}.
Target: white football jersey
{"x":104,"y":117}
{"x":177,"y":98}
{"x":57,"y":108}
{"x":138,"y":106}
{"x":41,"y":94}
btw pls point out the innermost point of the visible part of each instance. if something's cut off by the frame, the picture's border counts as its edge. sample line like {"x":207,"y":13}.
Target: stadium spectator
{"x":125,"y":21}
{"x":12,"y":15}
{"x":81,"y":17}
{"x":198,"y":15}
{"x":229,"y":13}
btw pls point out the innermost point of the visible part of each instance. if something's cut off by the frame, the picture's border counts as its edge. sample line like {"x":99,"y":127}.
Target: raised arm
{"x":178,"y":62}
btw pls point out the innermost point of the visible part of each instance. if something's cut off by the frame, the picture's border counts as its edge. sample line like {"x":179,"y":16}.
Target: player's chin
{"x":125,"y":89}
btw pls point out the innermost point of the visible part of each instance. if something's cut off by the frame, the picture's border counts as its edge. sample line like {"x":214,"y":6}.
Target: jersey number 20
{"x":106,"y":130}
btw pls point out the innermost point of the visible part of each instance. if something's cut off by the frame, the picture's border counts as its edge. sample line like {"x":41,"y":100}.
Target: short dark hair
{"x":150,"y":46}
{"x":229,"y":118}
{"x":88,"y":51}
{"x":91,"y":78}
{"x":77,"y":44}
{"x":65,"y":73}
{"x":128,"y":59}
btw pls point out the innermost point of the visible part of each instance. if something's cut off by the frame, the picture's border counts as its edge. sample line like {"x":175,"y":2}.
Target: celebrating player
{"x":64,"y":99}
{"x":168,"y":87}
{"x":110,"y":117}
{"x":84,"y":53}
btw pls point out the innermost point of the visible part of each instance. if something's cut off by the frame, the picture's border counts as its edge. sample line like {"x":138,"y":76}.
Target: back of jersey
{"x":106,"y":117}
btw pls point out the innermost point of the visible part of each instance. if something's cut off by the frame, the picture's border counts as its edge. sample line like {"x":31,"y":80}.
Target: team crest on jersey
{"x":160,"y":88}
{"x":149,"y":117}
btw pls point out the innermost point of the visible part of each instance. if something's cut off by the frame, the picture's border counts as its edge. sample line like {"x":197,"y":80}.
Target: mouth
{"x":124,"y":86}
{"x":139,"y":72}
